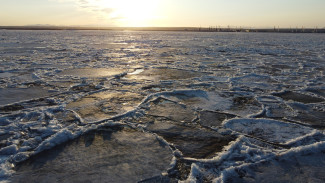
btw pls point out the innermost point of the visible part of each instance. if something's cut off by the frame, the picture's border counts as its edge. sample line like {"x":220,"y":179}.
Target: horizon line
{"x":210,"y":26}
{"x":162,"y":28}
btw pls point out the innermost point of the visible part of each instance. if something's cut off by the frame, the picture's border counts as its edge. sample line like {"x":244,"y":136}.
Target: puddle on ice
{"x":92,"y":73}
{"x":104,"y":155}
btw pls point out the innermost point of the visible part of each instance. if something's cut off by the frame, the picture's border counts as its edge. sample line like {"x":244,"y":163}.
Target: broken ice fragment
{"x":114,"y":154}
{"x":269,"y":130}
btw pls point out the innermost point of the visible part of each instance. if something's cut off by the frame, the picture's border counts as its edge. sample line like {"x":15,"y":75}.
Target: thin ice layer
{"x":110,"y":154}
{"x":305,"y":164}
{"x":268,"y":130}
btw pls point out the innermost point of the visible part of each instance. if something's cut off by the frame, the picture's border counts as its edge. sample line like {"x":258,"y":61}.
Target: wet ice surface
{"x":13,"y":95}
{"x":107,"y":155}
{"x":161,"y":106}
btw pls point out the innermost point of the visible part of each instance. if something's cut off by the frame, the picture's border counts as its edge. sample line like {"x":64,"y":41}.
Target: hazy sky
{"x":173,"y":13}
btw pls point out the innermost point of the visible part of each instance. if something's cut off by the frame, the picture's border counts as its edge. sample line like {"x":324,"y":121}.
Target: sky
{"x":164,"y":13}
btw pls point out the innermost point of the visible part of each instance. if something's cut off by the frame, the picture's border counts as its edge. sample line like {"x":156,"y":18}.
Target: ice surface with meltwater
{"x":123,"y":106}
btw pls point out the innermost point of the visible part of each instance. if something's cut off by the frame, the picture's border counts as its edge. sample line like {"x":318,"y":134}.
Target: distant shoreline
{"x":180,"y":29}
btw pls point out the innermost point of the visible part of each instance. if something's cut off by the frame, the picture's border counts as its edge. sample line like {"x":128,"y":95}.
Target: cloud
{"x":117,"y":12}
{"x":108,"y":10}
{"x":83,"y":1}
{"x":98,"y":6}
{"x":102,"y":10}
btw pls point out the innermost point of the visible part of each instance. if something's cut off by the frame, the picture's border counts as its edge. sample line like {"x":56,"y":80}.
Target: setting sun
{"x":129,"y":13}
{"x":137,"y":13}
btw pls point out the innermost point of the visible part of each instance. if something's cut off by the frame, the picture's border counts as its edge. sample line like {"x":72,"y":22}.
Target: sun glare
{"x":140,"y":13}
{"x":131,"y":13}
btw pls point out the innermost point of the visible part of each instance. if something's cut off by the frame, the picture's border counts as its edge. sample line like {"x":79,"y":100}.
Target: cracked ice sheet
{"x":248,"y":160}
{"x":303,"y":164}
{"x":171,"y":110}
{"x":12,"y":95}
{"x":236,"y":67}
{"x":241,"y":104}
{"x":192,"y":141}
{"x":242,"y":151}
{"x":273,"y":131}
{"x":115,"y":153}
{"x":105,"y":105}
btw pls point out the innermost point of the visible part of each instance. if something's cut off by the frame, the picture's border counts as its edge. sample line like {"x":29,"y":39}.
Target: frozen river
{"x":126,"y":106}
